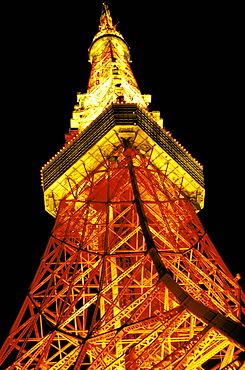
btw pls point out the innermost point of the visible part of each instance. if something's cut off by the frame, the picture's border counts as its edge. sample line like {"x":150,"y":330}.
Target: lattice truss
{"x":111,"y":65}
{"x":97,"y":302}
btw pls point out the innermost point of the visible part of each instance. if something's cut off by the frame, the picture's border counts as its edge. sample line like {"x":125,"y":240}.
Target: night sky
{"x":188,"y":57}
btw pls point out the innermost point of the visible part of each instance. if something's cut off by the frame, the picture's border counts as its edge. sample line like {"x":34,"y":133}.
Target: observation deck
{"x":97,"y":142}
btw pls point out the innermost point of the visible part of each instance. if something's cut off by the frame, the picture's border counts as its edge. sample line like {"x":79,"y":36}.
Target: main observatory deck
{"x":98,"y":141}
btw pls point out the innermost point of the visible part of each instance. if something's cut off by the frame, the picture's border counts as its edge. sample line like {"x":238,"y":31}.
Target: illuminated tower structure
{"x":129,"y":278}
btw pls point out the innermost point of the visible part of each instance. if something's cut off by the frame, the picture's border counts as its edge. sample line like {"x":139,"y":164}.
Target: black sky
{"x":188,"y":56}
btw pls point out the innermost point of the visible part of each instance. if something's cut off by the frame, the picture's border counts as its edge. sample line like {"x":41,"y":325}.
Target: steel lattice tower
{"x":129,"y":278}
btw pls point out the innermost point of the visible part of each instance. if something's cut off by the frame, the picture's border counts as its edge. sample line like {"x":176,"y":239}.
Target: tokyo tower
{"x":129,"y":278}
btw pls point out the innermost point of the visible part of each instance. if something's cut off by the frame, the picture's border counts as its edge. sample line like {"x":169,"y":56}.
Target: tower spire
{"x":105,"y":19}
{"x":111,"y":79}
